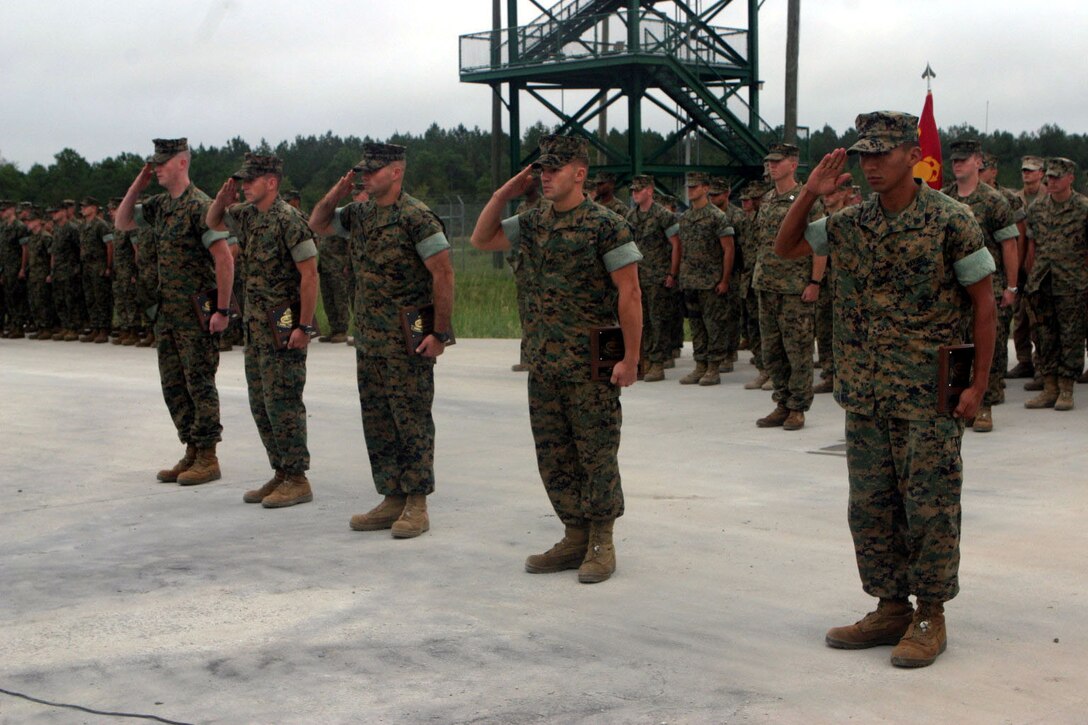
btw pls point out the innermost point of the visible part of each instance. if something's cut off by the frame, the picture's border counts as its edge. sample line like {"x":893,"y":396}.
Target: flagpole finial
{"x":928,"y":74}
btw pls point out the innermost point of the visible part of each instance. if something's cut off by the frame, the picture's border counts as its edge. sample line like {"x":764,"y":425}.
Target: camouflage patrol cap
{"x":965,"y":149}
{"x":89,"y":201}
{"x":557,"y":151}
{"x":68,"y":203}
{"x":1060,"y":166}
{"x":6,"y":204}
{"x":605,"y":177}
{"x":166,"y":149}
{"x":779,"y":151}
{"x":377,"y":156}
{"x":642,"y":181}
{"x":720,"y":185}
{"x":696,"y":178}
{"x":989,"y":160}
{"x":255,"y":166}
{"x":752,"y":190}
{"x":52,"y":209}
{"x":881,"y":131}
{"x":292,"y":194}
{"x":1032,"y":163}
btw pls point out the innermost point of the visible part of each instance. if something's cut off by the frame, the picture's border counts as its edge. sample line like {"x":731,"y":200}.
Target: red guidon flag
{"x":929,"y":168}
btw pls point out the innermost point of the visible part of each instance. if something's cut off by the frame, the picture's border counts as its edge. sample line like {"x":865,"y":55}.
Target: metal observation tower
{"x":667,"y":53}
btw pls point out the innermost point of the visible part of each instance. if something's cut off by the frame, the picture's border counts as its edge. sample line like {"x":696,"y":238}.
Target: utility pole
{"x":793,"y":29}
{"x":496,"y":111}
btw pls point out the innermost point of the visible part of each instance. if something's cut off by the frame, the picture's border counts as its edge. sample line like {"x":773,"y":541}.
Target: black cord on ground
{"x":156,"y":718}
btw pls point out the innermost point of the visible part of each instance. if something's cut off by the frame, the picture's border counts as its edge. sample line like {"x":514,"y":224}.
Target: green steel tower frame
{"x":663,"y":52}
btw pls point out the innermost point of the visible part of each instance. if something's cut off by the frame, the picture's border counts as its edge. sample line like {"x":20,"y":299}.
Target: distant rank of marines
{"x":875,"y":286}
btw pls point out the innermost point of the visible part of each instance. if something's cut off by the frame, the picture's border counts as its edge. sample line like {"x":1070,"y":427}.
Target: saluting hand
{"x":143,"y":179}
{"x":828,"y":174}
{"x":228,"y":193}
{"x":518,"y":185}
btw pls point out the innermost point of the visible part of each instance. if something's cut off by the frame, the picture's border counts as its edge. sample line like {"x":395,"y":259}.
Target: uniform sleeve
{"x":341,"y":221}
{"x":427,"y":233}
{"x":146,"y":213}
{"x":965,"y":246}
{"x":300,"y":240}
{"x":207,"y":236}
{"x":817,"y":237}
{"x":1004,"y":224}
{"x":511,"y":227}
{"x":232,"y":220}
{"x":723,"y":228}
{"x":617,"y":246}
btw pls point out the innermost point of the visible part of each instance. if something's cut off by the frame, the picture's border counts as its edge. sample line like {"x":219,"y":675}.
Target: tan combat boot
{"x":1065,"y":394}
{"x":727,"y":366}
{"x":1035,"y":383}
{"x":654,"y":374}
{"x":1048,"y":397}
{"x":413,"y":520}
{"x":170,"y":475}
{"x":58,"y":336}
{"x":600,"y":561}
{"x":984,"y":420}
{"x":101,"y":335}
{"x":775,"y":418}
{"x":338,"y":338}
{"x":294,"y":490}
{"x":568,"y":553}
{"x":925,"y":638}
{"x":257,"y":495}
{"x":118,"y":339}
{"x":130,"y":338}
{"x":381,"y":516}
{"x":757,"y":384}
{"x":148,"y":341}
{"x":204,"y":469}
{"x":695,"y":375}
{"x":826,"y":385}
{"x":71,"y":336}
{"x":712,"y":376}
{"x":886,"y":625}
{"x":794,"y":421}
{"x":88,"y":336}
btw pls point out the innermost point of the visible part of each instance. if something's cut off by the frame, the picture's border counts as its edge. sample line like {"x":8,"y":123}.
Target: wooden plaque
{"x":416,"y":323}
{"x":282,"y":321}
{"x":205,"y":304}
{"x":606,"y":348}
{"x":955,"y":364}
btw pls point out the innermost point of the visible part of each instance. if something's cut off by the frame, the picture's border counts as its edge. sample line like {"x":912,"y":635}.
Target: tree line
{"x":444,"y":163}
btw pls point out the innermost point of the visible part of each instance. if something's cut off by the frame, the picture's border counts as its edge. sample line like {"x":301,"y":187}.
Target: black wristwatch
{"x":308,"y":329}
{"x":442,"y":337}
{"x":225,"y":311}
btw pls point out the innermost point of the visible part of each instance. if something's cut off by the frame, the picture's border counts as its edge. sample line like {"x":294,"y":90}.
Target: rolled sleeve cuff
{"x":432,"y":245}
{"x":1005,"y":233}
{"x":621,"y":256}
{"x":512,"y":229}
{"x":212,"y":236}
{"x":816,"y":236}
{"x":338,"y":228}
{"x":107,"y":238}
{"x":138,"y":216}
{"x":673,"y":230}
{"x":304,"y":250}
{"x":974,"y":267}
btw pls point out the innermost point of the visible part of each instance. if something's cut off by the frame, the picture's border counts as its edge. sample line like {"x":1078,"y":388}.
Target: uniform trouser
{"x":15,"y":300}
{"x":41,"y":303}
{"x":904,"y":510}
{"x":1060,"y":324}
{"x":1023,"y":333}
{"x":336,"y":294}
{"x":675,"y":324}
{"x":751,"y":309}
{"x":708,"y":313}
{"x":276,"y":379}
{"x":733,"y":318}
{"x":99,"y":298}
{"x":658,"y":310}
{"x":1000,"y":362}
{"x":395,"y":395}
{"x":125,"y":308}
{"x":576,"y":428}
{"x":787,"y":329}
{"x":824,"y":326}
{"x":188,"y":362}
{"x":68,"y":298}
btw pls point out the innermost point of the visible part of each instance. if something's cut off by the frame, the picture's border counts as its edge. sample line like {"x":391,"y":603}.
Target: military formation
{"x":875,"y":286}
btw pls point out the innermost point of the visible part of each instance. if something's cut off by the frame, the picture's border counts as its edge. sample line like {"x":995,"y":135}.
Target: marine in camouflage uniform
{"x":95,"y":257}
{"x":402,"y":254}
{"x":788,"y":290}
{"x":706,"y":264}
{"x":605,"y":193}
{"x":720,"y":189}
{"x":912,"y":273}
{"x":278,"y":265}
{"x":576,"y":262}
{"x":833,"y":202}
{"x":1057,"y":231}
{"x":751,"y":197}
{"x":126,"y":310}
{"x":656,"y":234}
{"x":1032,"y":169}
{"x":147,"y":282}
{"x":190,"y":259}
{"x":67,"y":290}
{"x":13,"y":271}
{"x":994,"y":215}
{"x":39,"y":290}
{"x":532,"y":200}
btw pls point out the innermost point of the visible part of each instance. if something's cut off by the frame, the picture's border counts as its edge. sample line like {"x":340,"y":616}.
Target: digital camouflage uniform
{"x":147,"y":274}
{"x":995,"y":216}
{"x":67,"y":288}
{"x":1023,"y":331}
{"x":617,"y":206}
{"x":899,"y":295}
{"x":272,"y":243}
{"x":734,"y":320}
{"x":563,"y":263}
{"x":126,"y":310}
{"x":745,"y":244}
{"x":337,"y":282}
{"x":40,"y":292}
{"x":11,"y":260}
{"x":1058,"y":284}
{"x":651,"y":232}
{"x":701,"y":263}
{"x":523,"y":207}
{"x":787,"y":325}
{"x":396,"y":390}
{"x":188,"y":356}
{"x":97,"y":294}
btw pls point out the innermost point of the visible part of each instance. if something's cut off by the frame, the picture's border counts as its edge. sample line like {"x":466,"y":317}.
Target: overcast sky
{"x":106,"y":76}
